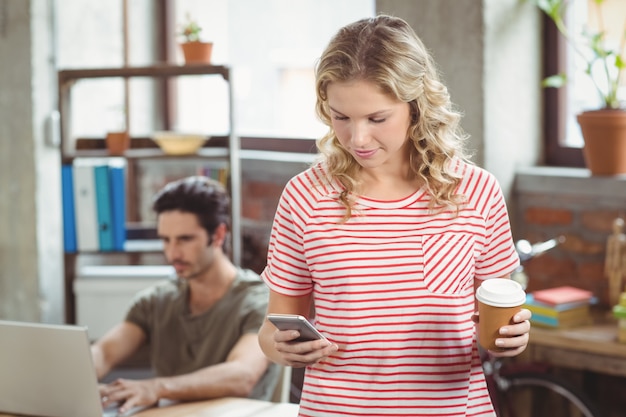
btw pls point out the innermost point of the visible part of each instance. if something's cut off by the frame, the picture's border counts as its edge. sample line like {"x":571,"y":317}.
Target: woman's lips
{"x":365,"y":153}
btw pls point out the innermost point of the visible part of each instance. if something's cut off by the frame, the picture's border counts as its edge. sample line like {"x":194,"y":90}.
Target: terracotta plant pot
{"x":117,"y":143}
{"x":197,"y":52}
{"x":604,"y":133}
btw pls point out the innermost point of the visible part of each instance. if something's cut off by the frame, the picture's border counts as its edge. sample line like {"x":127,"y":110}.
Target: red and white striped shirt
{"x":394,"y":288}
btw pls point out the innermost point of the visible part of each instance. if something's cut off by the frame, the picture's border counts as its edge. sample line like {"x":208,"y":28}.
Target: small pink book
{"x":562,"y":295}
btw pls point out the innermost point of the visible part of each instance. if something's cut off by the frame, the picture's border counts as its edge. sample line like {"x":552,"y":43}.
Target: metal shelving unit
{"x":231,"y":152}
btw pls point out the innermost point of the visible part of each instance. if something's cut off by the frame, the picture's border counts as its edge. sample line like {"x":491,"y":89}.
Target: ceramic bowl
{"x":175,"y":143}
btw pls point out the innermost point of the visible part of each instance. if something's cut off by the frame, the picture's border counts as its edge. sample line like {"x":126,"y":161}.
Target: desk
{"x":223,"y":407}
{"x":589,"y":348}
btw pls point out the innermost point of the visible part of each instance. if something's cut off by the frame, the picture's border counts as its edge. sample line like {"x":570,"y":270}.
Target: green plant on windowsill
{"x":604,"y":58}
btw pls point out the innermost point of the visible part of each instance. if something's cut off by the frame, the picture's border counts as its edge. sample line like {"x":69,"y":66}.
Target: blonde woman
{"x":386,"y":237}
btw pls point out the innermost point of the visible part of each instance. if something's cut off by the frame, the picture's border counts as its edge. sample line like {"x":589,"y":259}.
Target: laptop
{"x":47,"y":370}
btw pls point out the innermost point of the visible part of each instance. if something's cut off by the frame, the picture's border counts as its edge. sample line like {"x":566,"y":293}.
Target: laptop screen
{"x":46,"y":369}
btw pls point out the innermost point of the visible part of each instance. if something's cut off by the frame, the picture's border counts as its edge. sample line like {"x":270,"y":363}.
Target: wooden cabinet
{"x":223,"y":149}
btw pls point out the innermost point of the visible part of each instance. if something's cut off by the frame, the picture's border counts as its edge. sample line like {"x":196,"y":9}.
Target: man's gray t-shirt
{"x":181,"y":343}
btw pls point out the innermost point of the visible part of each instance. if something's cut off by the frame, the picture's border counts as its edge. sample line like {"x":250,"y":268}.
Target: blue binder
{"x":104,"y":207}
{"x":69,"y":219}
{"x":117,"y":176}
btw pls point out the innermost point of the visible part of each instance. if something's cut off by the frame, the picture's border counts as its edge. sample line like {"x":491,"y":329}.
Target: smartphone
{"x":296,"y":322}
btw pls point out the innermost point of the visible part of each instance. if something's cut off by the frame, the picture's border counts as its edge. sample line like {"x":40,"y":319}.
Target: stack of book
{"x":560,"y":307}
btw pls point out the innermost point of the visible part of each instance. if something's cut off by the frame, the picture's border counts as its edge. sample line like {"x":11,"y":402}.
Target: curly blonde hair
{"x":386,"y":51}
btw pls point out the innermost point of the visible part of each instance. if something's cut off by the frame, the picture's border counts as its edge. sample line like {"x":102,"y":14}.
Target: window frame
{"x":555,"y":101}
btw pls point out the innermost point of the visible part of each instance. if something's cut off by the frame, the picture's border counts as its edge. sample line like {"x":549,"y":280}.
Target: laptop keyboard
{"x":112,"y":411}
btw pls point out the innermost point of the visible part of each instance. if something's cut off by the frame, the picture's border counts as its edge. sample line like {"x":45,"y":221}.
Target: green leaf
{"x":555,"y":81}
{"x":550,"y":7}
{"x":592,"y":47}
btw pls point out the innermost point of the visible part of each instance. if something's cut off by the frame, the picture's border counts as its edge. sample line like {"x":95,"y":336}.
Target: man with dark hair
{"x":202,"y":328}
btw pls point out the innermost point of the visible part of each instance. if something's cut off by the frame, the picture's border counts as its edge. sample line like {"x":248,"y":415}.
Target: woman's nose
{"x":359,"y":134}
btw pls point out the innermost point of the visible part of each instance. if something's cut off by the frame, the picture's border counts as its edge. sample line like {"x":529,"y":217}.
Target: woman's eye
{"x":377,"y":120}
{"x":336,"y":117}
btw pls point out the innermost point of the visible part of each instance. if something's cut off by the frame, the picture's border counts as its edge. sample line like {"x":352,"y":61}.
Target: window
{"x":270,"y":45}
{"x":561,"y":130}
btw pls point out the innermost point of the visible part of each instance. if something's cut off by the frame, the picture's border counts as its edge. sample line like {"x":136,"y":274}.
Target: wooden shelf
{"x":148,"y":154}
{"x":159,"y":70}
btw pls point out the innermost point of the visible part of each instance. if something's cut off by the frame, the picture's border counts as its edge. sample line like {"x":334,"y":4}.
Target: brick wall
{"x":549,"y":202}
{"x":262,"y":184}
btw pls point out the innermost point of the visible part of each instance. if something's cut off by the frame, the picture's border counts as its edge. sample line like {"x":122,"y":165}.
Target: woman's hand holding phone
{"x":299,"y":343}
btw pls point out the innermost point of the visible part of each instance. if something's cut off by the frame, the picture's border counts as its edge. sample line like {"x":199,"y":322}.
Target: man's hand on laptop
{"x":130,"y":393}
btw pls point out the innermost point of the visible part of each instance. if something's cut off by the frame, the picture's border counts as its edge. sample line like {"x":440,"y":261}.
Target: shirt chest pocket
{"x":448,"y":262}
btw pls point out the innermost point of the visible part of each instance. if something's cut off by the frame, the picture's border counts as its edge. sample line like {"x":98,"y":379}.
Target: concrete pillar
{"x":488,"y":52}
{"x":31,"y":277}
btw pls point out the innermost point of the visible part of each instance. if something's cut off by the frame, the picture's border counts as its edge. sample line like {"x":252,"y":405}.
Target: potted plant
{"x":194,"y":49}
{"x":604,"y":128}
{"x":117,"y":139}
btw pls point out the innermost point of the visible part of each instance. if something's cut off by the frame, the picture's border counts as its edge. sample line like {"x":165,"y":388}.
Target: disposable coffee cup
{"x":499,"y":300}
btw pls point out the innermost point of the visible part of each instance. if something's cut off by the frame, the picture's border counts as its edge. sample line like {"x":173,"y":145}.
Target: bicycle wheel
{"x":543,"y":395}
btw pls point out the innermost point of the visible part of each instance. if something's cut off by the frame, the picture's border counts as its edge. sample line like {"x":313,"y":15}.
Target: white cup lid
{"x":500,"y":292}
